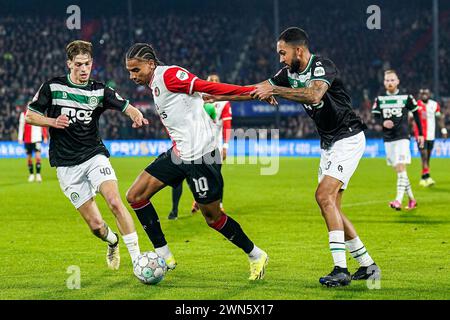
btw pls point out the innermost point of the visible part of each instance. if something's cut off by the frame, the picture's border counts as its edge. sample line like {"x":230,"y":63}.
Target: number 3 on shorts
{"x":201,"y":184}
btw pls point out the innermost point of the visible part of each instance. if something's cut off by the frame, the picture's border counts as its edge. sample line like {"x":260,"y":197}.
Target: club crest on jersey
{"x":182,"y":75}
{"x":93,"y":101}
{"x":319,"y":71}
{"x":157,"y":92}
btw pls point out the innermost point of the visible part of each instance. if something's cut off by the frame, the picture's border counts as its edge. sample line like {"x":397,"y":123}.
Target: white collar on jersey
{"x":393,"y":94}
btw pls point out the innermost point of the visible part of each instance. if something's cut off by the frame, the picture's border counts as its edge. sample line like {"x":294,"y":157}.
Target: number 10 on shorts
{"x":201,"y":185}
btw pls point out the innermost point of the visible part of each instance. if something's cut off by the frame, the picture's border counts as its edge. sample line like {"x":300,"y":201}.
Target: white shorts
{"x":81,"y":182}
{"x":341,"y":160}
{"x":397,"y":152}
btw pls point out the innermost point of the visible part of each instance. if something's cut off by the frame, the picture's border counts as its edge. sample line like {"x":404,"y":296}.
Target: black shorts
{"x":428,"y":145}
{"x":203,"y":175}
{"x":30,"y":147}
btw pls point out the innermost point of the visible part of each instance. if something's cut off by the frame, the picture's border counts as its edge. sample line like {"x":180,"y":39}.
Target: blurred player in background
{"x":32,"y":136}
{"x":428,"y":111}
{"x":391,"y":111}
{"x":194,"y":155}
{"x":220,"y":114}
{"x":71,"y":106}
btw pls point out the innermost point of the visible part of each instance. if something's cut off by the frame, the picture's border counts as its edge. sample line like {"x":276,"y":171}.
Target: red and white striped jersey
{"x":29,"y":133}
{"x":181,"y":112}
{"x":223,"y":122}
{"x":427,"y":113}
{"x":179,"y":104}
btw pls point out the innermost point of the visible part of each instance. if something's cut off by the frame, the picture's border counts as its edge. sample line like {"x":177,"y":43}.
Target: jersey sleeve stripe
{"x":227,"y":118}
{"x":127,"y":103}
{"x":415,"y":109}
{"x":271,"y":82}
{"x":34,"y":110}
{"x":191,"y":88}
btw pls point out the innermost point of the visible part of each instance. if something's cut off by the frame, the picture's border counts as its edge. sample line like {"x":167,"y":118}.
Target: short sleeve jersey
{"x":83,"y":105}
{"x":395,"y":107}
{"x":333,"y":116}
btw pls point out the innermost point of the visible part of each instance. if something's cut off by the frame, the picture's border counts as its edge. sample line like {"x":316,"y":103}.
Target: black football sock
{"x":38,"y":167}
{"x":150,"y":222}
{"x":30,"y":166}
{"x":176,"y":195}
{"x":233,"y":232}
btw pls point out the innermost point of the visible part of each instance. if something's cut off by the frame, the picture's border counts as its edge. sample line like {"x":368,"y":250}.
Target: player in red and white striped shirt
{"x":428,"y":111}
{"x":220,"y":114}
{"x":32,"y":136}
{"x":194,"y":155}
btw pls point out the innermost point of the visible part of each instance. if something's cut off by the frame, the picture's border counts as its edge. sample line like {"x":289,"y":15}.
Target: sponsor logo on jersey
{"x":64,"y":95}
{"x":157,"y":92}
{"x":182,"y":75}
{"x":79,"y":115}
{"x":93,"y":101}
{"x":319,"y":71}
{"x":318,"y":63}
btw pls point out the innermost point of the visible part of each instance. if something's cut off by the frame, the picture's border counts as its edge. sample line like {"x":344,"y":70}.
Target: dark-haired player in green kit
{"x":315,"y":82}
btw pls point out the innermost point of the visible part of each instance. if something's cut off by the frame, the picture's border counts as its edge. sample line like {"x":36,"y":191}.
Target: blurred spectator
{"x":238,"y":44}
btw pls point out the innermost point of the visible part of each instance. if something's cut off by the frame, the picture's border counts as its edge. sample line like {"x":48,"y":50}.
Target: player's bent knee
{"x":114,"y":203}
{"x":323,"y":198}
{"x":131,"y":196}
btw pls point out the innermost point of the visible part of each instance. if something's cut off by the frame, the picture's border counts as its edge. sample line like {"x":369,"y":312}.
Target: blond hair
{"x":78,"y":47}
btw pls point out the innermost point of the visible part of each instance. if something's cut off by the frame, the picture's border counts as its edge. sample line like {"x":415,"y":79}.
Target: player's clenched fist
{"x":388,"y":124}
{"x":61,"y":122}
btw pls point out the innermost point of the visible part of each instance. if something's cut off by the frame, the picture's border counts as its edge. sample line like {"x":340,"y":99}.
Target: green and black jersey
{"x":395,"y":107}
{"x":83,"y":105}
{"x":333,"y":116}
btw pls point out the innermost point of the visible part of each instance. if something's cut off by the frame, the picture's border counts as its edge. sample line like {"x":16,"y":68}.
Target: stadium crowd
{"x":206,"y":43}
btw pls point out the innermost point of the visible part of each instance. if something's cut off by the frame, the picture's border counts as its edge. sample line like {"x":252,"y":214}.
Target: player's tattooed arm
{"x":136,"y":116}
{"x":36,"y":119}
{"x":310,"y":95}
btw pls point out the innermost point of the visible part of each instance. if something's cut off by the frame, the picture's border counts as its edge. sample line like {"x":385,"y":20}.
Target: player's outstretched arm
{"x":310,"y":95}
{"x":208,"y":98}
{"x":136,"y":116}
{"x":37,"y":119}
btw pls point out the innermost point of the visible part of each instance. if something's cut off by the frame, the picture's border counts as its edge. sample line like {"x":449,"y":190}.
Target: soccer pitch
{"x":42,"y":236}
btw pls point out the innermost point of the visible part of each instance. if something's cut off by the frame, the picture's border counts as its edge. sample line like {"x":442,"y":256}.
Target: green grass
{"x":42,"y":235}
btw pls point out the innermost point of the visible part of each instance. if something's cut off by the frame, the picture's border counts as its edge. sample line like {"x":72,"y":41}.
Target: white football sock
{"x":255,"y":254}
{"x":111,"y":237}
{"x":163,"y":252}
{"x":132,"y":243}
{"x":359,"y":252}
{"x":402,"y":181}
{"x":408,"y":187}
{"x":337,"y":247}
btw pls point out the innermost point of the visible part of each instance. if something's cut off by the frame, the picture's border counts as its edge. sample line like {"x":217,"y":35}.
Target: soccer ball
{"x":149,"y":268}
